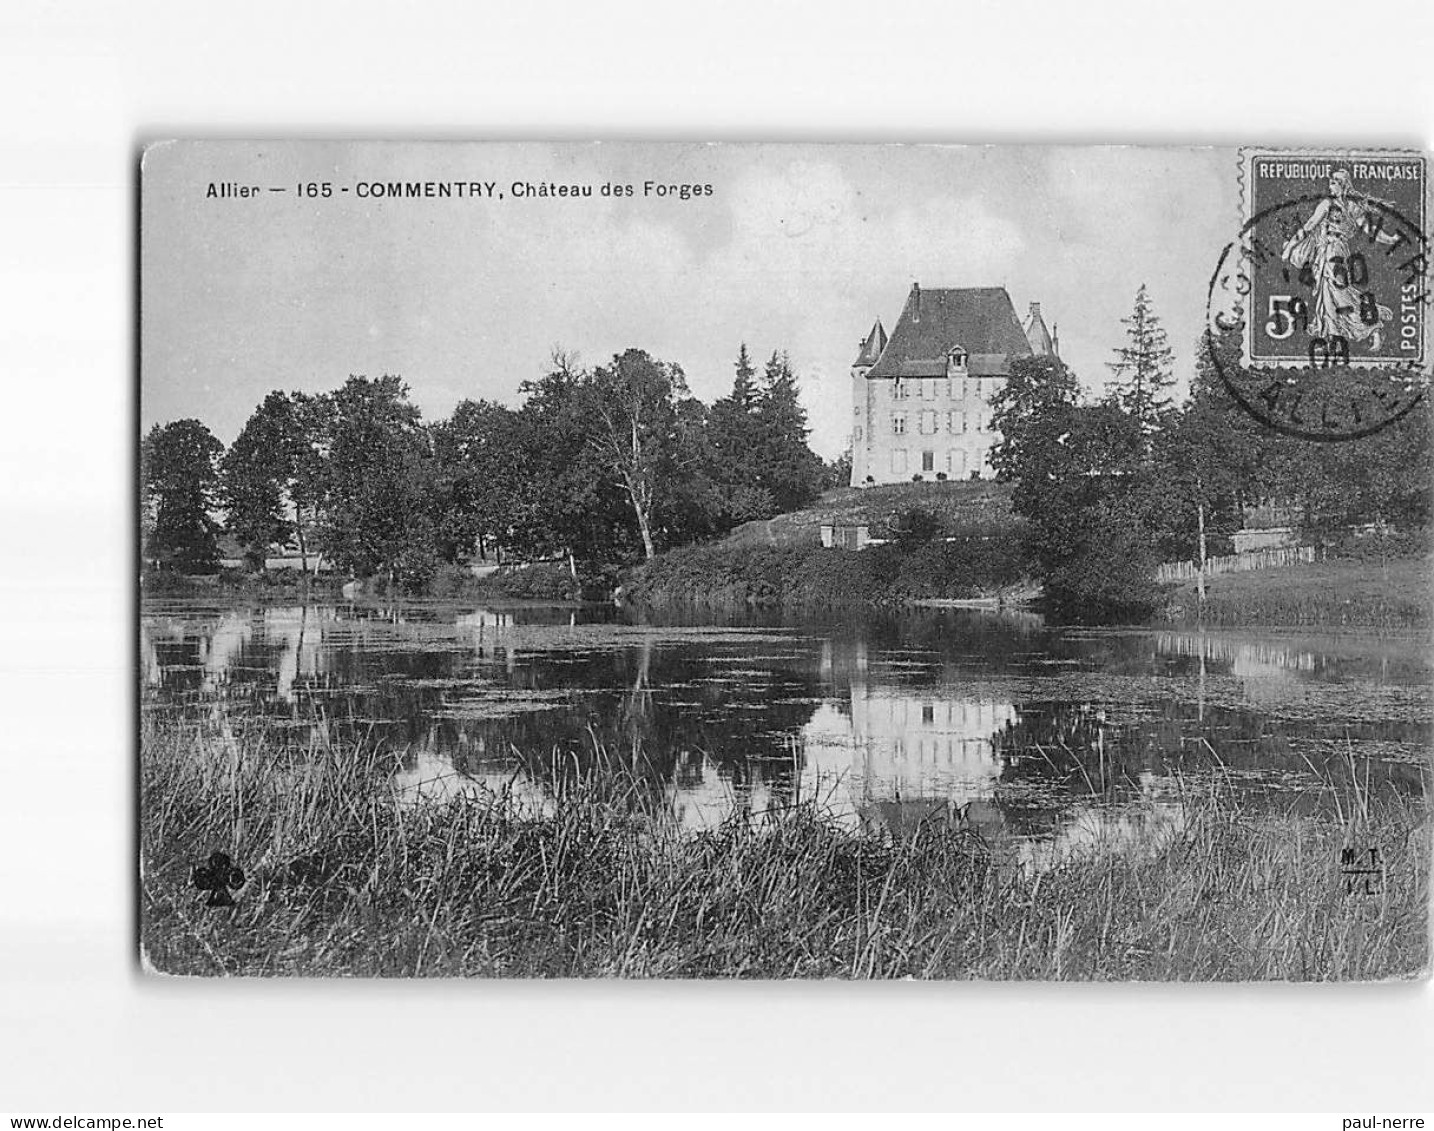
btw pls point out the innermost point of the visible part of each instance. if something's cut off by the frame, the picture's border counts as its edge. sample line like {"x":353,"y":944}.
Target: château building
{"x":922,"y":398}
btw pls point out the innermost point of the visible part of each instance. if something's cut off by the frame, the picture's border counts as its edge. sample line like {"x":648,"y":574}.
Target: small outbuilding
{"x":844,"y":536}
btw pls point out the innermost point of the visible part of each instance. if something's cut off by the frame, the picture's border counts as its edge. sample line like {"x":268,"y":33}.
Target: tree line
{"x":1113,"y":486}
{"x":598,"y":467}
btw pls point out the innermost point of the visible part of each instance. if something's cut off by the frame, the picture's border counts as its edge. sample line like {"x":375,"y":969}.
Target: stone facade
{"x":922,"y":398}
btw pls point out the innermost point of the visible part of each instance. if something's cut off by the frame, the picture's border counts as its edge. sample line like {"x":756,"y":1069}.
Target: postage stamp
{"x":1325,"y":288}
{"x":1338,"y":257}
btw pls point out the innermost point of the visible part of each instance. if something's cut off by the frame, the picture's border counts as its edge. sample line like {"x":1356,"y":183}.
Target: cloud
{"x":799,"y":248}
{"x":815,"y":261}
{"x":1123,"y":216}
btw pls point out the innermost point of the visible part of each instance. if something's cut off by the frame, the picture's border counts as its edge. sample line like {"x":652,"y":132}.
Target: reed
{"x":345,"y":879}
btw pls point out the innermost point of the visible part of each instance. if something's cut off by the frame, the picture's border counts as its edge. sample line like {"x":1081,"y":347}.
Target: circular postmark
{"x":1316,"y":315}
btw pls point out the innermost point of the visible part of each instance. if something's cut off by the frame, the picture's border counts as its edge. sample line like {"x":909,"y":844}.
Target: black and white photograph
{"x":783,"y":561}
{"x":675,"y":559}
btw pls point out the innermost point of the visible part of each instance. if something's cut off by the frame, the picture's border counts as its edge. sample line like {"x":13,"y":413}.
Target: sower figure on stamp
{"x":1325,"y":245}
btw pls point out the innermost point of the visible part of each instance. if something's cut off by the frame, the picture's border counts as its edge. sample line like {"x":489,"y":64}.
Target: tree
{"x":635,"y":397}
{"x":481,"y":473}
{"x":1205,"y":464}
{"x":1193,"y":494}
{"x":1076,"y":471}
{"x":744,"y":388}
{"x":1142,"y":371}
{"x":178,"y":478}
{"x":1382,"y":479}
{"x":260,"y":472}
{"x":1324,"y":487}
{"x":735,"y":448}
{"x":1035,"y":387}
{"x":913,"y":527}
{"x":694,"y":507}
{"x":789,"y":470}
{"x":377,"y":482}
{"x":569,"y":504}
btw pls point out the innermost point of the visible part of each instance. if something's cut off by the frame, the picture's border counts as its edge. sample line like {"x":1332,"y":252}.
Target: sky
{"x":797,"y":247}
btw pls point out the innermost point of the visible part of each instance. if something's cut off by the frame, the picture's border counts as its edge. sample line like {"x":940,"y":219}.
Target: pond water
{"x":1046,"y":740}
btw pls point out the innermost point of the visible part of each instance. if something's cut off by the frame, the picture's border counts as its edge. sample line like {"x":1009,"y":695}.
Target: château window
{"x":928,"y":461}
{"x":898,"y":425}
{"x":898,"y":460}
{"x":928,"y":422}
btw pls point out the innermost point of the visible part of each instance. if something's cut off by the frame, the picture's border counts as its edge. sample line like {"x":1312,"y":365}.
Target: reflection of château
{"x":903,"y":748}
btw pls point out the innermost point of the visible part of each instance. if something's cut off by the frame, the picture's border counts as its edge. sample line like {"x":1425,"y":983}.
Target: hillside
{"x":964,"y":504}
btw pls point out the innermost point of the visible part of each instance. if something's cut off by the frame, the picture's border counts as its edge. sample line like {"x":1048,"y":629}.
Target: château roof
{"x":871,"y":346}
{"x":1042,"y":343}
{"x":979,"y":319}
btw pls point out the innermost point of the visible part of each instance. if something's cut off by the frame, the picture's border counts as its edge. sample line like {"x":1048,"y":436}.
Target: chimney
{"x":916,"y":308}
{"x":1035,"y":310}
{"x":1056,"y":338}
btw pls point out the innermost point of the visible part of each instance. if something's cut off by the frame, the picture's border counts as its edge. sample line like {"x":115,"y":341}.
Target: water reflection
{"x":898,"y":754}
{"x":1050,"y":742}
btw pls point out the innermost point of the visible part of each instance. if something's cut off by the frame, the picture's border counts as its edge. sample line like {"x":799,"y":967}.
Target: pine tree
{"x":744,"y":389}
{"x":788,"y":469}
{"x":1142,"y":375}
{"x":735,"y":442}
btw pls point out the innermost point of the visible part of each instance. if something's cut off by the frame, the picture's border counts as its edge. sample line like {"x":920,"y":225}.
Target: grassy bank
{"x":962,"y":562}
{"x":344,"y":880}
{"x":726,"y":576}
{"x":955,"y":504}
{"x":542,"y":581}
{"x":275,"y":584}
{"x":1339,"y":593}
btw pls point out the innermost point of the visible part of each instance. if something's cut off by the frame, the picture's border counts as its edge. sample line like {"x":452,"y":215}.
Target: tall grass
{"x":345,"y":879}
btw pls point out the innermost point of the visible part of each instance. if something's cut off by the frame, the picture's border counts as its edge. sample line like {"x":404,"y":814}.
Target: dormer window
{"x":955,"y":361}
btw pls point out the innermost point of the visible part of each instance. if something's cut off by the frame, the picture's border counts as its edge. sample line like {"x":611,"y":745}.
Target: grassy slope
{"x":604,"y":886}
{"x":1393,"y":594}
{"x":957,"y":503}
{"x":780,"y":561}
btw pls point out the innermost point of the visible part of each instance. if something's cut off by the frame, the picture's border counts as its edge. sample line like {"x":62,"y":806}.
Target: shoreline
{"x":1333,"y":596}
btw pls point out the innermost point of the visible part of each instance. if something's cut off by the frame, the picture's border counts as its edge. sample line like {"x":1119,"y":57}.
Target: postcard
{"x":784,"y":561}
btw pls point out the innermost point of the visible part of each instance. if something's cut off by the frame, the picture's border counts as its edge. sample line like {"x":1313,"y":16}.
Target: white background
{"x":84,"y":84}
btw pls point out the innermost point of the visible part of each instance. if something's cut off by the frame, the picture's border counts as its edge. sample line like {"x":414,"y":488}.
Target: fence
{"x":1272,"y":558}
